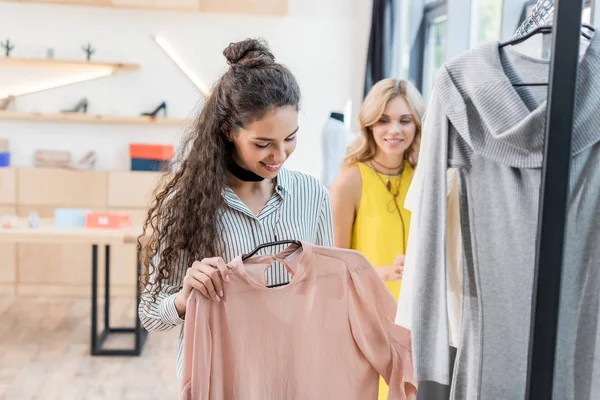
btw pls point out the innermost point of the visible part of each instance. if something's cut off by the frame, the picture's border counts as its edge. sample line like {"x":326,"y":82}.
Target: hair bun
{"x":249,"y":53}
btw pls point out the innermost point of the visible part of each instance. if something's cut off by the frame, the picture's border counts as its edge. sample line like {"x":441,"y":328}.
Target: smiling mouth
{"x":394,"y":141}
{"x":271,"y":167}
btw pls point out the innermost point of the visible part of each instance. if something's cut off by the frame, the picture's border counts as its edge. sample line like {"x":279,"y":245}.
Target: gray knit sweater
{"x":494,"y":134}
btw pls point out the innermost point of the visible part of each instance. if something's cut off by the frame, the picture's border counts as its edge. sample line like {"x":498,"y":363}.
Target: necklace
{"x":241,"y":173}
{"x":388,"y":186}
{"x":387,"y":183}
{"x":399,"y":168}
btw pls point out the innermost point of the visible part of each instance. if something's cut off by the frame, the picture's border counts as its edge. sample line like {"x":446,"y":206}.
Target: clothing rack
{"x":554,"y":191}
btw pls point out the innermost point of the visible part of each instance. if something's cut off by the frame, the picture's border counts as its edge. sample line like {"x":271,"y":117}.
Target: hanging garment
{"x":335,"y":141}
{"x":299,"y":209}
{"x":454,"y":256}
{"x":328,"y":334}
{"x":493,"y":134}
{"x":379,"y":232}
{"x":429,"y":390}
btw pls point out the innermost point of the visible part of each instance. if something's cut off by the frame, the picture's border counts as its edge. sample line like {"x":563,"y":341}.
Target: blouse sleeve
{"x":160,"y":314}
{"x":325,"y":223}
{"x":387,"y":346}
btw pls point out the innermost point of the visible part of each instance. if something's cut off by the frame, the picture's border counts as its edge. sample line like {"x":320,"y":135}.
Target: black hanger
{"x":589,"y":27}
{"x":270,"y":244}
{"x":543,"y":30}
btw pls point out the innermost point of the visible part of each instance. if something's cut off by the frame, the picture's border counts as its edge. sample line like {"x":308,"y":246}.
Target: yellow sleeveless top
{"x":379,"y":233}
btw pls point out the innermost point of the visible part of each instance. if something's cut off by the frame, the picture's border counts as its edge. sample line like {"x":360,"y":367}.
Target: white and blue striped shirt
{"x":298,"y":210}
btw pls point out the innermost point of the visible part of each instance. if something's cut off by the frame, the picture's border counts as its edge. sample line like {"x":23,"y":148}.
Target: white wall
{"x":323,"y":42}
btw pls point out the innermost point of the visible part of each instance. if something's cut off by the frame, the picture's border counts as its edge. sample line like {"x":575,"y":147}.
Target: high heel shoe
{"x":162,"y":106}
{"x":88,"y":161}
{"x":4,"y":103}
{"x":82,"y":106}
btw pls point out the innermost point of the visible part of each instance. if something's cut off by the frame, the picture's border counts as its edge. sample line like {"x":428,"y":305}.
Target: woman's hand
{"x":207,"y":276}
{"x":394,"y":272}
{"x":399,"y":265}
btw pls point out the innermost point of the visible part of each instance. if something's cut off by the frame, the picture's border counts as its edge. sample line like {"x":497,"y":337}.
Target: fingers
{"x":202,"y":282}
{"x":191,"y":282}
{"x":221,"y":266}
{"x":216,"y":270}
{"x":400,"y":259}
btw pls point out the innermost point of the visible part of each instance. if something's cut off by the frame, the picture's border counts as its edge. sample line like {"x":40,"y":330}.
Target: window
{"x":435,"y":53}
{"x":434,"y":49}
{"x":486,"y":21}
{"x":587,"y":15}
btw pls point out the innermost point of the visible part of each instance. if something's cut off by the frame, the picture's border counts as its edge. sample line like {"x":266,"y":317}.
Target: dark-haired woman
{"x":231,"y":192}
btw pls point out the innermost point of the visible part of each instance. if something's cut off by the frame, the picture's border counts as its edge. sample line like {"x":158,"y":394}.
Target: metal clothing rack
{"x":553,"y":191}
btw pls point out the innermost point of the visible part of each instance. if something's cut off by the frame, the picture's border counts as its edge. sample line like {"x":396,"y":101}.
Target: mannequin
{"x":335,"y":141}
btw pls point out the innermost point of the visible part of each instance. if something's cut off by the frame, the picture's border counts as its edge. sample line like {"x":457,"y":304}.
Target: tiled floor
{"x":44,"y":354}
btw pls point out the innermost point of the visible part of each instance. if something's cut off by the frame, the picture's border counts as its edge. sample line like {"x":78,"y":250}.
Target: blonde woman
{"x":368,"y":196}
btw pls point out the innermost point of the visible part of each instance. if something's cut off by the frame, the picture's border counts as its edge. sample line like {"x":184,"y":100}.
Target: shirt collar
{"x":284,"y":181}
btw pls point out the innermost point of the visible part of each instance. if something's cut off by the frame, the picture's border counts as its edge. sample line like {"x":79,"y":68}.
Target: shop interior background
{"x":323,"y":42}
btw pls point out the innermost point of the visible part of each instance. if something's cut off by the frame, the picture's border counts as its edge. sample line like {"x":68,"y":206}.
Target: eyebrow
{"x":402,"y":116}
{"x":264,"y":139}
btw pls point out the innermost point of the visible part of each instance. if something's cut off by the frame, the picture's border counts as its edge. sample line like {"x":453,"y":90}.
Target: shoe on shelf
{"x":88,"y":161}
{"x":162,"y":106}
{"x":82,"y":106}
{"x":5,"y":103}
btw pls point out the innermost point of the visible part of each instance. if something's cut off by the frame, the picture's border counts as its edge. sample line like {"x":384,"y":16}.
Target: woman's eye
{"x":290,"y":139}
{"x":405,"y":121}
{"x":261,"y":146}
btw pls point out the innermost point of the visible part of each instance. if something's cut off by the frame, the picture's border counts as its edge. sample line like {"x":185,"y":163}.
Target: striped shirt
{"x":298,"y":210}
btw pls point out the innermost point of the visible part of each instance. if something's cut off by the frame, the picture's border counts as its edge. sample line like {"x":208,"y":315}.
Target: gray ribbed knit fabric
{"x":494,"y":134}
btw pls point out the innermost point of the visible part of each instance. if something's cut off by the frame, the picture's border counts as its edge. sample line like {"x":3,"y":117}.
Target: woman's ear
{"x":227,"y":132}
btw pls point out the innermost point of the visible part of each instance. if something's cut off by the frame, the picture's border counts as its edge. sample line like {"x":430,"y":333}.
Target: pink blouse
{"x":329,"y":334}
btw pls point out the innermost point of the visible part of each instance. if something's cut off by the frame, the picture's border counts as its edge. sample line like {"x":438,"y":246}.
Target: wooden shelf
{"x":88,"y":118}
{"x":19,"y":76}
{"x":248,"y":7}
{"x":51,"y":63}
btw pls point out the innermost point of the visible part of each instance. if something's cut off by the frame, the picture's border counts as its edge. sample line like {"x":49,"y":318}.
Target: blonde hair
{"x":364,"y":147}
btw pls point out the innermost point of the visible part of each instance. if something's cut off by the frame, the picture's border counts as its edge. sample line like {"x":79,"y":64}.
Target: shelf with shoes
{"x":19,"y":76}
{"x":53,"y":63}
{"x":90,"y":118}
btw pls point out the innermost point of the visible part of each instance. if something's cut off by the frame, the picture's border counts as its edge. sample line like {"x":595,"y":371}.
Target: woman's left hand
{"x":399,"y":264}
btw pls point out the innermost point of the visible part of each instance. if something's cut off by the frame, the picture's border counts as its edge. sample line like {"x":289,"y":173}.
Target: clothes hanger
{"x":270,"y":244}
{"x":543,"y":30}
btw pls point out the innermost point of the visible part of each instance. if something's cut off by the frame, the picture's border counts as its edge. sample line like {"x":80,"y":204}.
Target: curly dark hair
{"x":183,"y":218}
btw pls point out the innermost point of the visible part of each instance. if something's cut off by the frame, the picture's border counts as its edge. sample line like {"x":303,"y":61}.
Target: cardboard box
{"x":108,"y":220}
{"x":151,"y":151}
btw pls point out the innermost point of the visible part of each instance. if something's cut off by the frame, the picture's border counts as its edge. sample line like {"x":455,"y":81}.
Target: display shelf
{"x":19,"y":76}
{"x":248,"y":7}
{"x":52,"y":63}
{"x":90,"y":118}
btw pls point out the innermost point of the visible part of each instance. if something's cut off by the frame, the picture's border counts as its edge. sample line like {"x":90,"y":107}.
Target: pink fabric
{"x":329,"y":334}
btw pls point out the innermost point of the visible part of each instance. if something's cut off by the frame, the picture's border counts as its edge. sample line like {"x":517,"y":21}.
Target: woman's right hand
{"x":206,"y":276}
